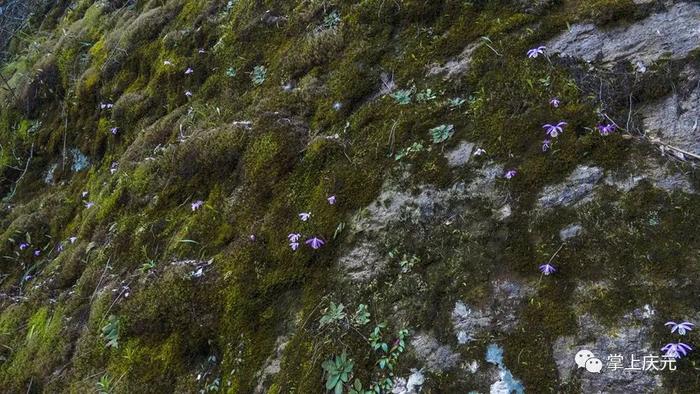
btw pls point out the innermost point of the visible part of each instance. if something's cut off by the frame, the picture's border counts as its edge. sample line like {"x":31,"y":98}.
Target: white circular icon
{"x":594,"y":365}
{"x":582,"y":356}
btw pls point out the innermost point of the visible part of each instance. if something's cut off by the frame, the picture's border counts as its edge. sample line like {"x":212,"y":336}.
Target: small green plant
{"x":334,"y":313}
{"x":361,"y":317}
{"x":331,"y":20}
{"x":441,"y":133}
{"x":407,"y":263}
{"x":425,"y":96}
{"x":147,"y":266}
{"x":339,"y":229}
{"x":403,"y":96}
{"x":258,"y":75}
{"x":110,"y":332}
{"x":409,"y":152}
{"x":230,"y":72}
{"x":338,"y":372}
{"x":104,"y":385}
{"x":456,"y":102}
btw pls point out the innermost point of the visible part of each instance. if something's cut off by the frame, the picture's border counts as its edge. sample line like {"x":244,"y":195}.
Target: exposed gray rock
{"x":362,"y":262}
{"x":467,"y":321}
{"x":502,"y":311}
{"x":460,"y":155}
{"x":671,"y":33}
{"x":575,"y":188}
{"x":272,"y":365}
{"x":437,"y":357}
{"x":674,"y":120}
{"x":456,"y":66}
{"x":570,"y":231}
{"x":629,"y":336}
{"x":658,"y":176}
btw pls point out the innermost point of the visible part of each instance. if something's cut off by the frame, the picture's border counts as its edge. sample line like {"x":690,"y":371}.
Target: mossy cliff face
{"x":157,"y":154}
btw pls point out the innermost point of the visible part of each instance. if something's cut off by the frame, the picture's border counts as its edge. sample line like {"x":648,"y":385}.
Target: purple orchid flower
{"x":73,"y":239}
{"x":106,"y":105}
{"x":252,"y":237}
{"x":84,"y":194}
{"x":294,"y":245}
{"x":534,"y":52}
{"x":304,"y":216}
{"x":676,"y":350}
{"x":197,"y":204}
{"x":606,"y":129}
{"x":23,"y":246}
{"x":37,"y":252}
{"x":554,"y":130}
{"x":337,"y":106}
{"x":113,"y":168}
{"x":294,"y":237}
{"x":189,"y":71}
{"x":167,"y":63}
{"x":554,"y":102}
{"x":510,"y":174}
{"x":89,"y":204}
{"x":331,"y":200}
{"x":682,"y":328}
{"x":315,"y":242}
{"x":546,"y":144}
{"x":479,"y":152}
{"x":114,"y":130}
{"x":188,"y":93}
{"x":547,"y":269}
{"x":60,"y":247}
{"x":201,"y":50}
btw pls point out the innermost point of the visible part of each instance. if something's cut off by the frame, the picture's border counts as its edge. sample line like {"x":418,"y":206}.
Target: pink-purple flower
{"x":189,"y":71}
{"x":73,"y":239}
{"x":23,"y":246}
{"x":114,"y":130}
{"x":546,"y":144}
{"x":554,"y":102}
{"x":304,"y":216}
{"x":554,"y":130}
{"x":682,"y":328}
{"x":315,"y":242}
{"x":294,"y":237}
{"x":106,"y":105}
{"x":197,"y":204}
{"x":606,"y":129}
{"x":676,"y":350}
{"x":534,"y":52}
{"x":167,"y":63}
{"x":294,"y":245}
{"x":510,"y":174}
{"x":89,"y":204}
{"x":37,"y":252}
{"x":547,"y":269}
{"x":331,"y":200}
{"x":188,"y":93}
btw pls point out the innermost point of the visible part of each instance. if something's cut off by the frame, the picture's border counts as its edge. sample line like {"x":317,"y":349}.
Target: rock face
{"x":576,"y":187}
{"x":675,"y":120}
{"x":156,"y":157}
{"x":671,"y":33}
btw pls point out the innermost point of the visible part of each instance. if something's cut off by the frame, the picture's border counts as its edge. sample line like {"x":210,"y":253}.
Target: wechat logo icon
{"x":586,"y":359}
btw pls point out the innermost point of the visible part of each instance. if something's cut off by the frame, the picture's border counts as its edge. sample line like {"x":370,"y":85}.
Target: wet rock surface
{"x":670,"y":33}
